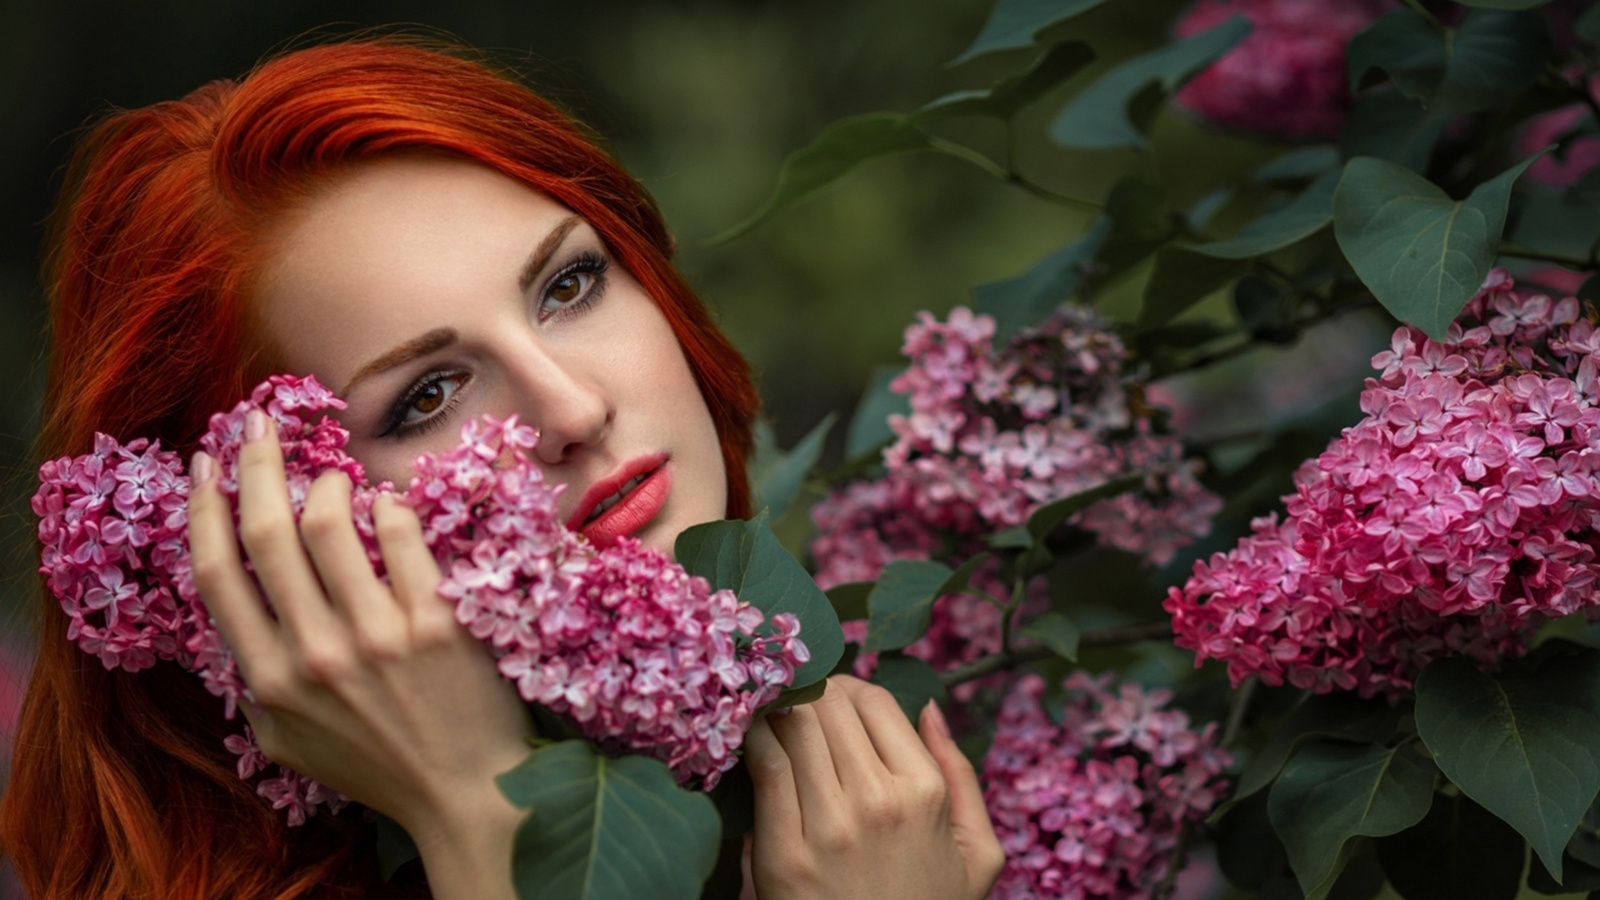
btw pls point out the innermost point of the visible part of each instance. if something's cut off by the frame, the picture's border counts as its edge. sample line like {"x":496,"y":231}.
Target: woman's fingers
{"x":816,"y":780}
{"x":413,"y":574}
{"x":902,"y":752}
{"x":338,"y":554}
{"x":271,"y":540}
{"x":229,"y":594}
{"x":860,"y":769}
{"x":969,"y":816}
{"x":777,"y":800}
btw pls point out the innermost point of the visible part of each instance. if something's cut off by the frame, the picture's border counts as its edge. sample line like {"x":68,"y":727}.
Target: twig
{"x":1095,"y":639}
{"x":1011,"y":176}
{"x":1236,"y":712}
{"x":1521,"y":252}
{"x":1230,"y":732}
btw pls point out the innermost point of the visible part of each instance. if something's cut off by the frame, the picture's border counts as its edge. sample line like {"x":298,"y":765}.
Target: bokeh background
{"x":701,"y":99}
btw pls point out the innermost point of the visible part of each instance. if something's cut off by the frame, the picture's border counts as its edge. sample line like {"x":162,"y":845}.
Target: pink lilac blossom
{"x":1287,"y":78}
{"x":642,"y":656}
{"x":1092,"y":807}
{"x":1455,"y":516}
{"x":993,"y":434}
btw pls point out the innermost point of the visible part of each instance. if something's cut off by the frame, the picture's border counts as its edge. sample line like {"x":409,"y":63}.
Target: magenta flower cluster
{"x":643,"y":657}
{"x":1287,"y":78}
{"x":1456,"y":515}
{"x":1092,"y":807}
{"x":994,"y":433}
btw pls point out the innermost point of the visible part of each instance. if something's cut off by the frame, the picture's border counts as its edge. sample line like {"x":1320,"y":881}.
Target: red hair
{"x":120,"y":787}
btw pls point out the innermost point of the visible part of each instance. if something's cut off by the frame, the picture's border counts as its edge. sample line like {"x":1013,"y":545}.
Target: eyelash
{"x":586,"y":263}
{"x":395,"y":424}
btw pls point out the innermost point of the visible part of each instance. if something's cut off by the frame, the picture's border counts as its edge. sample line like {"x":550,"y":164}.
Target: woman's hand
{"x":372,"y":689}
{"x":851,"y":803}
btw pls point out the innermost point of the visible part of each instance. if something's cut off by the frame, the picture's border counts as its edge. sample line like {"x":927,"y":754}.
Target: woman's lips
{"x":633,"y":510}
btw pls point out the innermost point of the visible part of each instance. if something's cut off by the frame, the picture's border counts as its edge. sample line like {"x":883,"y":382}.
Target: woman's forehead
{"x":395,"y":247}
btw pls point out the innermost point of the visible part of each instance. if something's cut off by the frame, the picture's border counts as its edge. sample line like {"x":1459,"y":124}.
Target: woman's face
{"x":428,"y":292}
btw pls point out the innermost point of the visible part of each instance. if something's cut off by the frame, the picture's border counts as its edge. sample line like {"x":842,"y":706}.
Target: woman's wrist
{"x":466,"y":845}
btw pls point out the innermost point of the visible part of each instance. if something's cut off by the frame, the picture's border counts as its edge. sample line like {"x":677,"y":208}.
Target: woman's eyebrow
{"x":432,"y":342}
{"x":546,"y":249}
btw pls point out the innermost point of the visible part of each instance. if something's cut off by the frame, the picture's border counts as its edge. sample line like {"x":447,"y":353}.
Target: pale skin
{"x":371,"y":687}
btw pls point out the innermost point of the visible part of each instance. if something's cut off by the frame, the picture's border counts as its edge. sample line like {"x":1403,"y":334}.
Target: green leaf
{"x":1490,"y":58}
{"x":1301,"y":164}
{"x":1139,"y":224}
{"x":840,"y":147}
{"x":778,"y":476}
{"x":1587,"y":27}
{"x":850,"y":600}
{"x":1046,"y":518}
{"x":1494,"y":57}
{"x":1337,"y":716}
{"x":1404,"y":45}
{"x":1302,"y":217}
{"x":1578,"y":877}
{"x":961,"y":576}
{"x":1585,"y":843}
{"x":604,"y":828}
{"x":1565,"y":224}
{"x":1018,"y":538}
{"x":395,"y":847}
{"x":912,"y":682}
{"x":901,"y":603}
{"x":1517,"y":743}
{"x":869,"y":426}
{"x":1098,"y":118}
{"x":799,"y":696}
{"x":1027,"y":299}
{"x":1013,"y":92}
{"x":1391,"y":126}
{"x":1331,"y":792}
{"x":746,"y":558}
{"x":1014,"y":23}
{"x":1180,"y":279}
{"x":1421,"y":254}
{"x":1055,"y":631}
{"x":1458,"y":850}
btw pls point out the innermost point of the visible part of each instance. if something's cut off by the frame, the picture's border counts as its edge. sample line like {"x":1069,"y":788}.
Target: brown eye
{"x":429,"y":398}
{"x":568,"y":287}
{"x":427,"y":401}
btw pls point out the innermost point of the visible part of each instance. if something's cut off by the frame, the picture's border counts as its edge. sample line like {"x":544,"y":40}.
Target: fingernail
{"x":201,"y":468}
{"x":255,"y":425}
{"x":783,"y":710}
{"x":937,"y":715}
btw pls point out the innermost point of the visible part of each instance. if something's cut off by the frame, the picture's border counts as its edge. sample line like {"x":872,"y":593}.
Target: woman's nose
{"x":560,"y":397}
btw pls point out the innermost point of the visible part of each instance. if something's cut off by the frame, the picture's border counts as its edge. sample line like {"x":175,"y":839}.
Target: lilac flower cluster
{"x":642,"y":656}
{"x":994,"y":433}
{"x":1092,"y":807}
{"x":1458,"y":513}
{"x":1287,"y":78}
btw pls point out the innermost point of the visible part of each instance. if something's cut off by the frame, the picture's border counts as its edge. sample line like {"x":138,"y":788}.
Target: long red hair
{"x":120,"y":785}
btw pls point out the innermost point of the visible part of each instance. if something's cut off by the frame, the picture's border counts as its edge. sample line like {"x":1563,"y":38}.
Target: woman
{"x":435,"y":242}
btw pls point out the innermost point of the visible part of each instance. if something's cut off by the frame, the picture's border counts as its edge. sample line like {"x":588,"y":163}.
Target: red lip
{"x":634,"y":511}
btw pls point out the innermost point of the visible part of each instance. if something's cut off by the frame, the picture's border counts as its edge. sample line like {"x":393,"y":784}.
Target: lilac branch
{"x":1096,"y":639}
